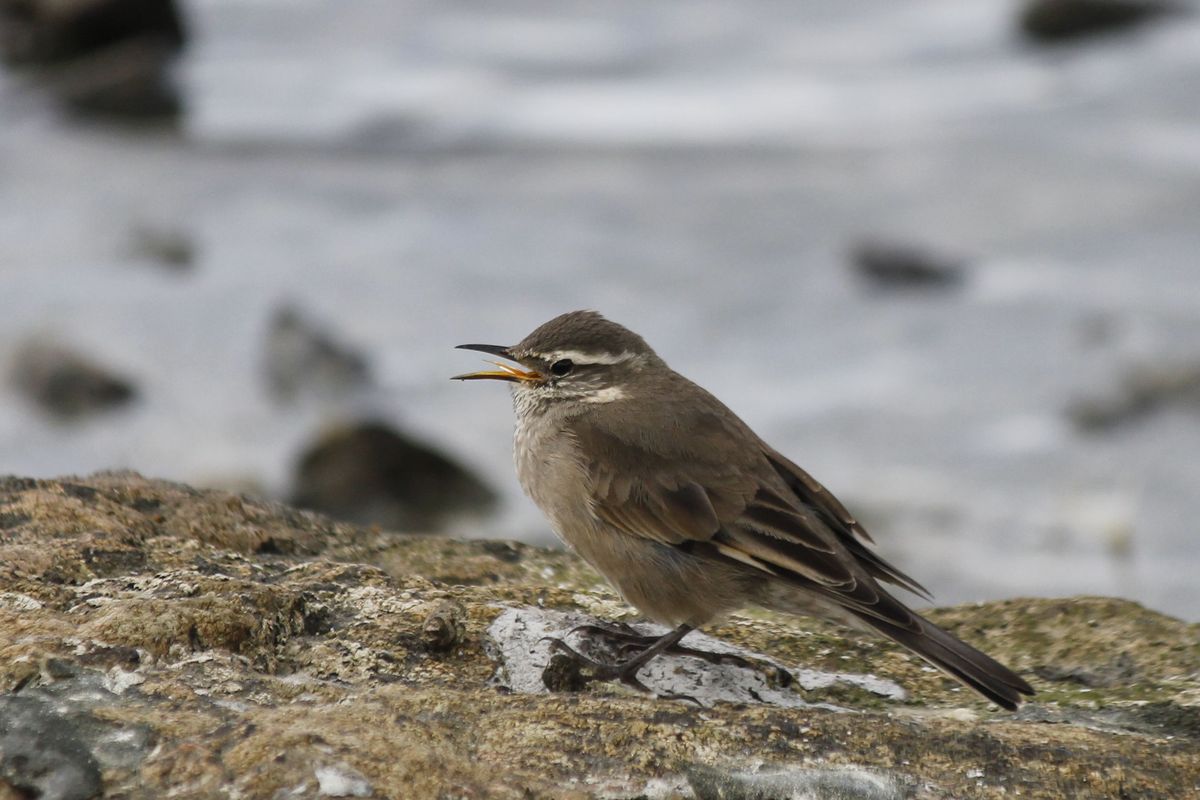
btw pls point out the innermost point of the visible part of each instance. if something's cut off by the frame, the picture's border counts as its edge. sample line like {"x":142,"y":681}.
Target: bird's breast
{"x":553,"y":473}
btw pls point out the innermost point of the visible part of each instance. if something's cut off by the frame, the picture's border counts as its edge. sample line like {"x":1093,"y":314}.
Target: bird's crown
{"x":584,"y":337}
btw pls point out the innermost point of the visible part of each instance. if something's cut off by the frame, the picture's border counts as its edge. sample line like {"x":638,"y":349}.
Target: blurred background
{"x":942,"y":253}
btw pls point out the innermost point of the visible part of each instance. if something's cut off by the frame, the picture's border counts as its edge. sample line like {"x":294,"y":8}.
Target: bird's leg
{"x":626,"y":671}
{"x":627,"y":642}
{"x":616,"y":631}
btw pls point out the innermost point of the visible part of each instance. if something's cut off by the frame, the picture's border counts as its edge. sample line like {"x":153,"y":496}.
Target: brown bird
{"x":686,"y":511}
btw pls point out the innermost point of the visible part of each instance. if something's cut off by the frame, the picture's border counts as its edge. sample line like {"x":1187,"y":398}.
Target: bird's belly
{"x":666,"y":584}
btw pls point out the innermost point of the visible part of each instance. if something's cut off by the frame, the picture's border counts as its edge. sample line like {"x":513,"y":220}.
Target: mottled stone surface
{"x":198,"y":644}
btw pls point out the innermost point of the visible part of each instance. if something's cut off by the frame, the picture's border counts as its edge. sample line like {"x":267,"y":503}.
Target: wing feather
{"x":760,"y":511}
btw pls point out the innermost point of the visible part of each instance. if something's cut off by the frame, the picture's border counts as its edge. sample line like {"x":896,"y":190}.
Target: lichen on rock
{"x":201,"y":644}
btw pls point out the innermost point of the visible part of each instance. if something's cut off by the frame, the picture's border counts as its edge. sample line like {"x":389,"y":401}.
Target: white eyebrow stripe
{"x":579,"y":357}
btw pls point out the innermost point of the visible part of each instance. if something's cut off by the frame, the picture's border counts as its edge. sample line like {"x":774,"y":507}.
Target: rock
{"x":299,"y":357}
{"x":202,"y":644}
{"x":65,"y":383}
{"x":897,"y":265}
{"x":522,"y":638}
{"x":1052,"y":21}
{"x":371,"y":474}
{"x":170,"y":248}
{"x":444,"y":627}
{"x":48,"y":31}
{"x":42,"y":753}
{"x":342,"y":781}
{"x":1144,"y":390}
{"x":100,"y":56}
{"x":811,"y":784}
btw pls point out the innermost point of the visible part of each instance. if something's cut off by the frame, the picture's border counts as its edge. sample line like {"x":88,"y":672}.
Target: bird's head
{"x":577,"y":357}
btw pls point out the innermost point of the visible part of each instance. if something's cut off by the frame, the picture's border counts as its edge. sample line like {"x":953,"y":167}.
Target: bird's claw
{"x":625,"y":672}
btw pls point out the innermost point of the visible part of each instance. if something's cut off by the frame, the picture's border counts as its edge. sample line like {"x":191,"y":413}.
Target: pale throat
{"x":533,"y":402}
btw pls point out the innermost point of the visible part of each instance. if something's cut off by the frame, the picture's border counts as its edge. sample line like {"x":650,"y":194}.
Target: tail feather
{"x":892,"y":619}
{"x":976,"y":670}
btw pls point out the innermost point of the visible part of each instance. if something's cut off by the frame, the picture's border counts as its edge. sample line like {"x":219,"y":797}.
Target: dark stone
{"x":66,"y":384}
{"x":317,"y":618}
{"x":1121,"y":670}
{"x":1053,"y":21}
{"x":370,"y":474}
{"x":444,"y":628}
{"x":107,"y":56}
{"x":39,"y":31}
{"x":104,"y":561}
{"x":564,"y":674}
{"x":12,"y":520}
{"x":60,"y":668}
{"x":134,"y":87}
{"x":506,"y":551}
{"x":1168,"y":719}
{"x":273,"y":546}
{"x":11,"y":483}
{"x":145,"y":505}
{"x":897,"y":265}
{"x":300,"y":357}
{"x":85,"y":493}
{"x":41,"y":752}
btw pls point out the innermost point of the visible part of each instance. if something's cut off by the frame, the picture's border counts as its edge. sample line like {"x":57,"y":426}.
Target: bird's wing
{"x":733,"y":508}
{"x":849,"y":531}
{"x":653,"y":490}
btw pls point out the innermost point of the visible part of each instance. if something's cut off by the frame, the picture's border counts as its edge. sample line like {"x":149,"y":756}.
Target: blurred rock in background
{"x":104,"y":57}
{"x":66,"y":384}
{"x":300,"y":357}
{"x":1051,"y":21}
{"x":1142,"y":391}
{"x":370,"y":474}
{"x":169,"y":248}
{"x":888,"y":265}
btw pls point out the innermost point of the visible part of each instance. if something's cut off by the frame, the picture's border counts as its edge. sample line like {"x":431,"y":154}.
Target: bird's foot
{"x":625,"y":671}
{"x":626,"y":642}
{"x":643,"y":648}
{"x":567,"y":671}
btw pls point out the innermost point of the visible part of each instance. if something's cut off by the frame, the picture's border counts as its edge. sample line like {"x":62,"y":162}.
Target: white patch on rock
{"x":517,"y":642}
{"x":18,"y":602}
{"x":342,"y":781}
{"x":802,"y":782}
{"x":374,"y":601}
{"x":665,"y":788}
{"x":117,"y":680}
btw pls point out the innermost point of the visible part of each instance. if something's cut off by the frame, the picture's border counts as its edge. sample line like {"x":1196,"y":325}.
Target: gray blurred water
{"x":424,"y":174}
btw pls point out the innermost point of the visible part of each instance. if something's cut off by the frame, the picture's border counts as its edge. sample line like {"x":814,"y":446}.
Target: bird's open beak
{"x":507,"y":372}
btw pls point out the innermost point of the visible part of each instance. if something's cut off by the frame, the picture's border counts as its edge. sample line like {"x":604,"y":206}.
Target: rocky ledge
{"x":159,"y":641}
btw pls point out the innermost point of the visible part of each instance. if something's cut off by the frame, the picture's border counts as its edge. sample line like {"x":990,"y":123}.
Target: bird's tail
{"x":976,"y":670}
{"x":891,"y":618}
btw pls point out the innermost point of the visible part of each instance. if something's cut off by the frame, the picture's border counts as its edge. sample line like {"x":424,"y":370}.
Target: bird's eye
{"x":562,"y":366}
